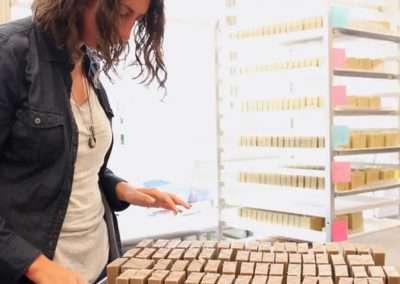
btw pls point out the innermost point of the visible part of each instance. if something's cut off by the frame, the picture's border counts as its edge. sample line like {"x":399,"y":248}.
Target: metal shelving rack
{"x":328,"y":203}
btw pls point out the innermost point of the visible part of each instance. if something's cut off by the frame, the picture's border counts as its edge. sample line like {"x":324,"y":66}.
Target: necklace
{"x":92,"y":133}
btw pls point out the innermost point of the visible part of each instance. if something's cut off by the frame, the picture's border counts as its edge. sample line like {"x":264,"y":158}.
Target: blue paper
{"x":339,"y":17}
{"x":341,"y":135}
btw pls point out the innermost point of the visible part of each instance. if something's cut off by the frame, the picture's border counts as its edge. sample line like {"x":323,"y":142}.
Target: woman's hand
{"x":45,"y":271}
{"x":150,"y":197}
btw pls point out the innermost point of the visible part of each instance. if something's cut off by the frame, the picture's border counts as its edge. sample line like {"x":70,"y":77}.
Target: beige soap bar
{"x":309,"y":258}
{"x":160,"y":243}
{"x":392,"y":274}
{"x":176,"y":277}
{"x":310,"y":280}
{"x":145,"y":243}
{"x":197,"y":265}
{"x":378,"y":254}
{"x":295,"y":258}
{"x":230,"y":267}
{"x":243,"y":279}
{"x":163,"y":264}
{"x":247,"y":268}
{"x":243,"y":255}
{"x":173,"y":244}
{"x":256,"y":256}
{"x":194,"y":278}
{"x":226,"y":279}
{"x":259,"y":279}
{"x":324,"y":270}
{"x":146,"y":253}
{"x":210,"y":244}
{"x":180,"y":265}
{"x":184,"y":244}
{"x":191,"y":253}
{"x":376,"y":272}
{"x":161,"y":253}
{"x":252,"y":246}
{"x":309,"y":270}
{"x":346,"y":280}
{"x":132,"y":252}
{"x":176,"y":254}
{"x":357,"y":179}
{"x":159,"y":276}
{"x":322,"y":258}
{"x":372,"y":176}
{"x":275,"y":280}
{"x":197,"y":244}
{"x":226,"y":254}
{"x":224,"y":245}
{"x":114,"y":269}
{"x":141,"y":276}
{"x":325,"y":280}
{"x":138,"y":264}
{"x":359,"y":272}
{"x":213,"y":266}
{"x":340,"y":272}
{"x":375,"y":281}
{"x":210,"y":278}
{"x":262,"y":268}
{"x":237,"y":245}
{"x":293,"y":279}
{"x":294,"y":269}
{"x":302,"y":248}
{"x":124,"y":278}
{"x":276,"y":269}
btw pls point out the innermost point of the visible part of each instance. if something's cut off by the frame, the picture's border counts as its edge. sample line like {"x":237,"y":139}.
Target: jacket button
{"x":37,"y":120}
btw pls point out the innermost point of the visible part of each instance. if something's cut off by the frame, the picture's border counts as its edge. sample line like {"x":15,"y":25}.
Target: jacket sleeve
{"x":16,"y":254}
{"x":108,"y":182}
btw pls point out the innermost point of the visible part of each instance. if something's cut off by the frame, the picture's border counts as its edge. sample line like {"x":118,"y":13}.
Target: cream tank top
{"x":83,"y":245}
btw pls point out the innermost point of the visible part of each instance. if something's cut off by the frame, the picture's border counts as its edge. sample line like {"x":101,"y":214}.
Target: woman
{"x":57,"y":194}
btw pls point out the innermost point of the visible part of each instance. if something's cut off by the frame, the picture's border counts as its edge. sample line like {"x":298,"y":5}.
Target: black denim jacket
{"x":38,"y":146}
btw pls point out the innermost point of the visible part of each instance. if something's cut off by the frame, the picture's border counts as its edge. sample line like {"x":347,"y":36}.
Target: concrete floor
{"x":389,"y":239}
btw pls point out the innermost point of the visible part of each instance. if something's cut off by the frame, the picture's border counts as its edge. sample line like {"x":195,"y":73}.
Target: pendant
{"x":92,"y":142}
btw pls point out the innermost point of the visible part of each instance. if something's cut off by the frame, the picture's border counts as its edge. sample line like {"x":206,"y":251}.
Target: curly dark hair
{"x":63,"y":20}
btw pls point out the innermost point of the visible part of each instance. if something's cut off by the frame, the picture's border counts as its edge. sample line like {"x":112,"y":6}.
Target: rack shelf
{"x":367,"y":151}
{"x":366,"y":34}
{"x":365,"y":74}
{"x":372,"y":188}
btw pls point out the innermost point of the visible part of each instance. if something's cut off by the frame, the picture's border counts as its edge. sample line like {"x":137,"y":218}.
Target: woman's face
{"x":130,"y":12}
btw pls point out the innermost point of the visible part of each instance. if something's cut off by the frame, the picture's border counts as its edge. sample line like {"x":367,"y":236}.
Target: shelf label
{"x":340,"y":135}
{"x":338,"y":58}
{"x":339,"y":96}
{"x":341,"y":172}
{"x":340,"y":231}
{"x":339,"y":17}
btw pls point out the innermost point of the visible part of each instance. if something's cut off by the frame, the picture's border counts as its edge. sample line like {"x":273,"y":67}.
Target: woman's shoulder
{"x":14,"y":36}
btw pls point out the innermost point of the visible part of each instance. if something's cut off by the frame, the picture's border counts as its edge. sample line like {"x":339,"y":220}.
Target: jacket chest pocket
{"x":38,"y":136}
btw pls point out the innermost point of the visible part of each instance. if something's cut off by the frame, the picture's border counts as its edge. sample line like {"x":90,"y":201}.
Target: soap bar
{"x":173,"y":244}
{"x":262,"y":268}
{"x":161,"y":253}
{"x":114,"y":269}
{"x":184,"y":244}
{"x":226,"y":279}
{"x":259,"y":279}
{"x":359,"y":272}
{"x":357,"y":179}
{"x":164,"y":264}
{"x":180,"y":265}
{"x":293,"y":280}
{"x":146,"y":253}
{"x":210,"y":278}
{"x":145,"y":243}
{"x":372,"y":176}
{"x":256,"y":256}
{"x":213,"y":266}
{"x":269,"y":257}
{"x":294,"y":269}
{"x":378,"y":254}
{"x":224,"y":245}
{"x":309,"y":270}
{"x":337,"y":259}
{"x":191,"y":253}
{"x":346,"y":280}
{"x":242,"y":255}
{"x":160,"y":243}
{"x":265,"y":247}
{"x":295,"y":258}
{"x":176,"y":254}
{"x":275,"y":280}
{"x":322,"y":258}
{"x":197,"y":265}
{"x":124,"y":278}
{"x":230,"y":267}
{"x":226,"y":254}
{"x":247,"y":268}
{"x":141,"y":276}
{"x":194,"y":278}
{"x":252,"y":246}
{"x":392,"y":275}
{"x":324,"y":270}
{"x":159,"y":276}
{"x":176,"y":277}
{"x":376,"y":272}
{"x":340,"y":272}
{"x":132,"y":252}
{"x":243,"y":279}
{"x":308,"y":258}
{"x":138,"y":264}
{"x":276,"y":269}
